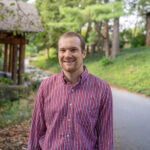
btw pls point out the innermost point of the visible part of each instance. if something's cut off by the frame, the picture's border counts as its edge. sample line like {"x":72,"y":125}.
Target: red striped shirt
{"x":67,"y":117}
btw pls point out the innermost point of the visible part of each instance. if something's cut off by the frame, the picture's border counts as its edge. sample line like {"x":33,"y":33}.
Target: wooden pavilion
{"x":17,"y":19}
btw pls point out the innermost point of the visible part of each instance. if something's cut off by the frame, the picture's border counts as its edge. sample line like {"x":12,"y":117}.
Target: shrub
{"x":106,"y":62}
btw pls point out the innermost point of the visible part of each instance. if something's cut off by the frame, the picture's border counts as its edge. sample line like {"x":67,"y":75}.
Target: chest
{"x":78,"y":102}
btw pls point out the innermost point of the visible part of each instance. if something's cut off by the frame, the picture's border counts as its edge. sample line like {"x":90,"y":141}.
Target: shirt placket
{"x":69,"y":115}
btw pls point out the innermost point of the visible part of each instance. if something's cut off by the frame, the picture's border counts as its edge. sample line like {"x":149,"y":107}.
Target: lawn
{"x":130,"y":70}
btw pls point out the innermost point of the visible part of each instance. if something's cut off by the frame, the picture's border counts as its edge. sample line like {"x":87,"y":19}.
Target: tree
{"x":93,"y":15}
{"x":115,"y":39}
{"x":74,"y":16}
{"x":106,"y":26}
{"x":50,"y":15}
{"x":143,"y":9}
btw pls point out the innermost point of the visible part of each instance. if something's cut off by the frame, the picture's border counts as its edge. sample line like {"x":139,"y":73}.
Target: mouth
{"x":68,"y":61}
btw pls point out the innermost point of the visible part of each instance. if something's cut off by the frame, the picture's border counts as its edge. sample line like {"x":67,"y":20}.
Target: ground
{"x":15,"y":137}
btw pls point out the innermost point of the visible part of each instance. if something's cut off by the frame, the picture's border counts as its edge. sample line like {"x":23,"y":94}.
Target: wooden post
{"x":21,"y":63}
{"x":14,"y":63}
{"x":10,"y":58}
{"x":5,"y":58}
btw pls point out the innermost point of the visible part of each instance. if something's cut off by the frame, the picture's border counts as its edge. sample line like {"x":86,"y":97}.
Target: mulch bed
{"x":15,"y":137}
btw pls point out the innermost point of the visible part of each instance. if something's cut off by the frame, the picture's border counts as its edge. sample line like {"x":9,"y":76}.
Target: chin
{"x":69,"y":69}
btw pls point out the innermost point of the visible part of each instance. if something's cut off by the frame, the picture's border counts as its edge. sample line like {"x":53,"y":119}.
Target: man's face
{"x":70,"y":54}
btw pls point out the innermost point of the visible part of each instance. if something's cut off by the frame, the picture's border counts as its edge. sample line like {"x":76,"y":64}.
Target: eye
{"x":62,"y":50}
{"x":73,"y":49}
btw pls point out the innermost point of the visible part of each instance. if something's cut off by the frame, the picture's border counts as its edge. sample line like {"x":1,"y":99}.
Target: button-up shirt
{"x":67,"y":117}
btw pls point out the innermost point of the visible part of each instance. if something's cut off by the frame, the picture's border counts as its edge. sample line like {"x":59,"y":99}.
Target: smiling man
{"x":73,"y":109}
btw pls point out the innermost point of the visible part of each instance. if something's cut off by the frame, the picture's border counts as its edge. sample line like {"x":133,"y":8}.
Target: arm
{"x":105,"y":121}
{"x":38,"y":127}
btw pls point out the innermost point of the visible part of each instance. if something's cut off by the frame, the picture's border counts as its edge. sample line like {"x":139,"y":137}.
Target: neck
{"x":73,"y":77}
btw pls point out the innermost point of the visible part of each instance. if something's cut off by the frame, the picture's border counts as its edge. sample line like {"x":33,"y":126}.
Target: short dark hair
{"x":74,"y":34}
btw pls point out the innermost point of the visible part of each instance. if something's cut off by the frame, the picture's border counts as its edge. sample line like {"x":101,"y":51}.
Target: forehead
{"x":65,"y":42}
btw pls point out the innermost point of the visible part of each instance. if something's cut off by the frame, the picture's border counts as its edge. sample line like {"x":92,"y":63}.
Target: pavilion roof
{"x":19,"y":16}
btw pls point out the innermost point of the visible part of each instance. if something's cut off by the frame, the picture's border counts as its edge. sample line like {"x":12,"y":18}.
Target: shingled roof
{"x":19,"y":16}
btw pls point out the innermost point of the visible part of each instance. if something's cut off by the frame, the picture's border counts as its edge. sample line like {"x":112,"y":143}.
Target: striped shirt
{"x":67,"y":117}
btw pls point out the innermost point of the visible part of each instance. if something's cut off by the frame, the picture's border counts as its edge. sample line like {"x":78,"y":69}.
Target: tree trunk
{"x":93,"y":49}
{"x":115,"y":40}
{"x":98,"y":29}
{"x":87,"y":49}
{"x":88,"y":30}
{"x":148,"y":29}
{"x":106,"y":32}
{"x":106,"y":41}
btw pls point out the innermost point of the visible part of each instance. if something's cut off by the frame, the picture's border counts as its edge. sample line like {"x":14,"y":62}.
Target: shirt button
{"x":72,"y":90}
{"x":67,"y":135}
{"x":70,"y":104}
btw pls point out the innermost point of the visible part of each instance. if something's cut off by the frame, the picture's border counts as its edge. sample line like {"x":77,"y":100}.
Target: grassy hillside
{"x":130,"y":70}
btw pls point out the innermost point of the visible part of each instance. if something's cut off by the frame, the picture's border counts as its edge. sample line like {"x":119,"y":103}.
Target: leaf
{"x":12,"y":4}
{"x":2,"y":17}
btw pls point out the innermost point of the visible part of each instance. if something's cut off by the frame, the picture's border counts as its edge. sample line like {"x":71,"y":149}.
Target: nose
{"x":68,"y":53}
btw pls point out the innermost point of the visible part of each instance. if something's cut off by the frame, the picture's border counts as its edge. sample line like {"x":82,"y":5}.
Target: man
{"x":73,"y":109}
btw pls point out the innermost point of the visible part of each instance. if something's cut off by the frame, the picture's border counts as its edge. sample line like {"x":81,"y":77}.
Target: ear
{"x":84,"y":53}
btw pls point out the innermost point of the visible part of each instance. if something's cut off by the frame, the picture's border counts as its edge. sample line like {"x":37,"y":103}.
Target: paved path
{"x":131,"y":121}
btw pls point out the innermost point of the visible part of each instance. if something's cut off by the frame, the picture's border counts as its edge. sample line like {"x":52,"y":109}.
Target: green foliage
{"x":141,"y":6}
{"x":83,"y":32}
{"x":92,"y":37}
{"x":42,"y":62}
{"x":31,"y":49}
{"x":5,"y":81}
{"x":104,"y":11}
{"x":76,"y":17}
{"x":26,"y":77}
{"x":106,"y":62}
{"x":14,"y":111}
{"x":72,"y":16}
{"x":53,"y":53}
{"x":134,"y":37}
{"x":138,"y":41}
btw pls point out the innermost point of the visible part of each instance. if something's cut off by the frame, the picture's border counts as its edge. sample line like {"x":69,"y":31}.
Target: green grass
{"x":130,"y":70}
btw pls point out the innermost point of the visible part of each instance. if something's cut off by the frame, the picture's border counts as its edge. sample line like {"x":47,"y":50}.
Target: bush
{"x":6,"y":81}
{"x":106,"y":62}
{"x":138,"y":41}
{"x":132,"y":38}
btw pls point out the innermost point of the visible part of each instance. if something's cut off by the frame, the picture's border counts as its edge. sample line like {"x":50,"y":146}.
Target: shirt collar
{"x":83,"y":76}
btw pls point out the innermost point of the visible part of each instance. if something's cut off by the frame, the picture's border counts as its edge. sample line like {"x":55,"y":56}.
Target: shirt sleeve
{"x":105,"y":122}
{"x":38,"y":127}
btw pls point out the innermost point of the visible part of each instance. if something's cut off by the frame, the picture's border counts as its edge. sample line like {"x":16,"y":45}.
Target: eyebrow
{"x":69,"y":48}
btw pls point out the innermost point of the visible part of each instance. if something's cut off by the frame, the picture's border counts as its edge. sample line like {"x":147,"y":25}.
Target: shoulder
{"x":49,"y":81}
{"x":100,"y":84}
{"x":98,"y":81}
